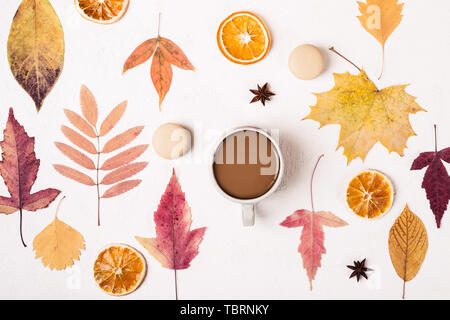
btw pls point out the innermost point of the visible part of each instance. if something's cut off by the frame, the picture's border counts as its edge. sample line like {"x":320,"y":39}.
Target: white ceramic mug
{"x":248,"y":205}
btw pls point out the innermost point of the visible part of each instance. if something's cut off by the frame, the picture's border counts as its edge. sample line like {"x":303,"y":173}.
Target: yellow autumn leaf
{"x":408,"y":245}
{"x":58,"y":245}
{"x":366,"y":115}
{"x":36,"y":48}
{"x":380,"y":18}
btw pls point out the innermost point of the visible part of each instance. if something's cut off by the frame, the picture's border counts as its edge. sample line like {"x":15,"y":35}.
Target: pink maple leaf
{"x":312,"y":239}
{"x":312,"y":245}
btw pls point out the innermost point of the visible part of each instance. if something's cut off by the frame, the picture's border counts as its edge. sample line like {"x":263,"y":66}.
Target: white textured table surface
{"x":234,"y":262}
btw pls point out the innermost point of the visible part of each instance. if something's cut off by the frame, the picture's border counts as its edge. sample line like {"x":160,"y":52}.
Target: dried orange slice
{"x":102,"y":11}
{"x":243,"y":38}
{"x":370,"y":194}
{"x":119,"y":269}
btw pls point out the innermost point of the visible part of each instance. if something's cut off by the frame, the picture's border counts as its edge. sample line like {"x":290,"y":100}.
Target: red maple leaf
{"x":312,"y":245}
{"x":436,"y":180}
{"x":175,"y":245}
{"x":19,"y":168}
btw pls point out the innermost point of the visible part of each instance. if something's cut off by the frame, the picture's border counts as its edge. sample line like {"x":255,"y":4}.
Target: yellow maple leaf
{"x":366,"y":115}
{"x":380,"y":18}
{"x":58,"y":245}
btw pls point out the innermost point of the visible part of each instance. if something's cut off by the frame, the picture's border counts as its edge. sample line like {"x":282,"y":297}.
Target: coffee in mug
{"x":246,"y":165}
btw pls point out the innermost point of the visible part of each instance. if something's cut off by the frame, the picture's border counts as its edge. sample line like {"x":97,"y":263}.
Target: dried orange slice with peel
{"x":243,"y":38}
{"x":370,"y":194}
{"x":119,"y":269}
{"x":102,"y":11}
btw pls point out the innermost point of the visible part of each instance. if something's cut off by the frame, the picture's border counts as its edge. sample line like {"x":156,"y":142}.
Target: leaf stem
{"x":97,"y":182}
{"x":382,"y":63}
{"x":174,"y":252}
{"x":21,"y":235}
{"x":159,"y":23}
{"x":404,"y":289}
{"x":340,"y":55}
{"x":311,"y":183}
{"x":176,"y":284}
{"x":435,"y":139}
{"x":59,"y":204}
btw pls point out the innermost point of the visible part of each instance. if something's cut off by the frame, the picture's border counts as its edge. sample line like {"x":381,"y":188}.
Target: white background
{"x":234,"y":262}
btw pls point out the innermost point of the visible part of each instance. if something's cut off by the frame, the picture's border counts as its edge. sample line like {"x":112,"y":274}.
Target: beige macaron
{"x":171,"y":140}
{"x":306,"y":62}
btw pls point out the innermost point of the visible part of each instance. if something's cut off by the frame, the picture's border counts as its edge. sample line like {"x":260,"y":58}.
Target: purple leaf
{"x":423,"y":160}
{"x":436,"y":181}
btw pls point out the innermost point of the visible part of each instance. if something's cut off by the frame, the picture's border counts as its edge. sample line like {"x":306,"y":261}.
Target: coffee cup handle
{"x":248,"y":215}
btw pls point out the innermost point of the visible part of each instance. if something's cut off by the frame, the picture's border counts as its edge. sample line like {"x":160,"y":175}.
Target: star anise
{"x":359,"y":269}
{"x":262,"y":94}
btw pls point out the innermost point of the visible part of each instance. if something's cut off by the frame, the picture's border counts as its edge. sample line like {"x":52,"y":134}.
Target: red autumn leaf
{"x":174,"y":54}
{"x":175,"y":245}
{"x":312,"y":245}
{"x":165,"y":54}
{"x":312,"y":239}
{"x":436,"y":180}
{"x":19,"y":168}
{"x":161,"y":74}
{"x":140,"y":55}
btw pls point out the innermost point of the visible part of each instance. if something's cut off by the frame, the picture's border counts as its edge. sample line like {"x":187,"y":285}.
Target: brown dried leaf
{"x":78,"y":140}
{"x":88,"y":105}
{"x":75,"y":155}
{"x":113,"y":117}
{"x":124,"y":157}
{"x":161,"y":74}
{"x":408,"y":245}
{"x":120,"y":188}
{"x":74,"y":174}
{"x":122,"y":139}
{"x":81,"y":124}
{"x":123,"y":172}
{"x":141,"y":54}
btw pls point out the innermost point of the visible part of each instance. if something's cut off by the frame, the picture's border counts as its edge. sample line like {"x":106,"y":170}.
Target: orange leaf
{"x":122,"y":139}
{"x":141,"y":54}
{"x":74,"y":174}
{"x":80,"y":123}
{"x":161,"y":73}
{"x":88,"y":105}
{"x":120,"y":188}
{"x":113,"y":117}
{"x":174,"y":54}
{"x":78,"y":140}
{"x":124,"y":157}
{"x":124,"y":172}
{"x":76,"y":155}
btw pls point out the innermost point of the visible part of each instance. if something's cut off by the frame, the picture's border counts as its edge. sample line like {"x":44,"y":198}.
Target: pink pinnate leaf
{"x":19,"y":168}
{"x":436,"y":180}
{"x":175,"y":245}
{"x":312,"y":238}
